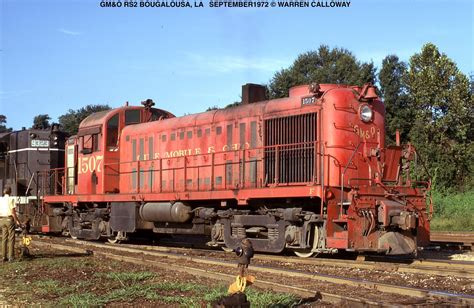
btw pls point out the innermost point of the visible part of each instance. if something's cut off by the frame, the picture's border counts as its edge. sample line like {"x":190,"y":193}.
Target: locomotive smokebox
{"x":165,"y":212}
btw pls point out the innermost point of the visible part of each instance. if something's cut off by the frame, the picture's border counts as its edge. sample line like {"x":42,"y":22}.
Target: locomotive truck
{"x":309,"y":173}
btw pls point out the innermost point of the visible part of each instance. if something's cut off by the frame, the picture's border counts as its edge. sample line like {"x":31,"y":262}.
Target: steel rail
{"x":452,"y":237}
{"x":420,"y":266}
{"x":382,"y":287}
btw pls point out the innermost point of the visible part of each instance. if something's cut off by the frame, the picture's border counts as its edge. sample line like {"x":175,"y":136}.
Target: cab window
{"x":90,"y":143}
{"x":132,"y":116}
{"x":112,"y":132}
{"x":155,"y":115}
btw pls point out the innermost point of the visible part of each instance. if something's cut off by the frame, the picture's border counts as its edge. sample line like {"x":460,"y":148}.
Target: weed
{"x":453,"y":211}
{"x":184,"y":301}
{"x":178,"y":286}
{"x":82,"y":300}
{"x":267,"y":299}
{"x":84,"y":282}
{"x":130,"y":276}
{"x":49,"y":286}
{"x":63,"y":262}
{"x":127,"y":294}
{"x":213,"y":294}
{"x":257,"y":298}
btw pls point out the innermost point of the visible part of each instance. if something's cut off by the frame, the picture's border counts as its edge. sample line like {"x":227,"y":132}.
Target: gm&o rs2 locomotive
{"x":308,"y":173}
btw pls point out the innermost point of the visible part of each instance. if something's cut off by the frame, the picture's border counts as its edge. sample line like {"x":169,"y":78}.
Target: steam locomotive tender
{"x":308,"y":173}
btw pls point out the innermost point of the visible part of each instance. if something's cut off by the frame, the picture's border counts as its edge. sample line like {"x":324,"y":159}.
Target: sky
{"x":57,"y":55}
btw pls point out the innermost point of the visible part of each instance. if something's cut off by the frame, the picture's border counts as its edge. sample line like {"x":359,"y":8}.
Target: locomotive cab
{"x":93,"y":161}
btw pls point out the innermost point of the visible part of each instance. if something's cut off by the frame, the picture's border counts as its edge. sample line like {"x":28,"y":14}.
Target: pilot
{"x":8,"y":218}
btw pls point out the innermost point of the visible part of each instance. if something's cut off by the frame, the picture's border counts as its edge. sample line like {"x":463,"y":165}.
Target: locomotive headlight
{"x":365,"y":112}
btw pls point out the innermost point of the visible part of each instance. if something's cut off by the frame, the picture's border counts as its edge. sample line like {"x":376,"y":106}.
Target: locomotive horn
{"x":148,"y":103}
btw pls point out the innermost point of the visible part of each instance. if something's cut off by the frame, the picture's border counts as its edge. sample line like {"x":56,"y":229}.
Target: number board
{"x":308,"y":100}
{"x":36,"y":143}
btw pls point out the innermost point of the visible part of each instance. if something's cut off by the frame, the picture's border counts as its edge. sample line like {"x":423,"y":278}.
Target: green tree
{"x":472,"y":82}
{"x":443,"y":120}
{"x":71,"y":120}
{"x":324,"y":65}
{"x":41,"y":121}
{"x":3,"y":124}
{"x":398,"y":104}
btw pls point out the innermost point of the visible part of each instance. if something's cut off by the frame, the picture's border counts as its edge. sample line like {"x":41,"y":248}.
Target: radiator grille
{"x":290,"y":149}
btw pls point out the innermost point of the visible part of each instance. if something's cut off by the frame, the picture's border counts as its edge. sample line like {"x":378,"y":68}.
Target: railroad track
{"x":415,"y":266}
{"x":464,"y":239}
{"x":302,"y":283}
{"x":206,"y":273}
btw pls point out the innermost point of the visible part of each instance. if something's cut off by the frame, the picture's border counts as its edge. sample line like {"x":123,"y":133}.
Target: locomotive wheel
{"x":306,"y":253}
{"x":117,"y":237}
{"x":227,"y":249}
{"x":69,"y":233}
{"x":66,"y":233}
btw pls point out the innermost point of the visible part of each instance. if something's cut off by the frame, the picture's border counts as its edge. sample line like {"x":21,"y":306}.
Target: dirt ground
{"x":67,"y":279}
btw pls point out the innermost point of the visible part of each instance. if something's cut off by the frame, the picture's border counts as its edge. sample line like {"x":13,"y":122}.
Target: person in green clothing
{"x":8,"y":218}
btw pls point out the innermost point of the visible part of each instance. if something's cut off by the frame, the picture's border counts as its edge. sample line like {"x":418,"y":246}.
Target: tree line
{"x":69,"y":121}
{"x":429,"y":100}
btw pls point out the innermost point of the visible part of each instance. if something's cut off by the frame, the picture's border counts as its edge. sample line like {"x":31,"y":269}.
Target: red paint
{"x":209,"y":156}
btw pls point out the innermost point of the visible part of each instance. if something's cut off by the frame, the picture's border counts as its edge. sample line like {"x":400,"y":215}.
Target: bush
{"x":453,"y":211}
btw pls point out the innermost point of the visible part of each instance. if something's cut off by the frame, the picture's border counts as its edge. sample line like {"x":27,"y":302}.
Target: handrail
{"x":342,"y":177}
{"x":181,"y":169}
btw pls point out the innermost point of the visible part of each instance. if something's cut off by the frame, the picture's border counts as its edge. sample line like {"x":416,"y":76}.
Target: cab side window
{"x":90,"y":143}
{"x":112,"y":132}
{"x":132,"y":117}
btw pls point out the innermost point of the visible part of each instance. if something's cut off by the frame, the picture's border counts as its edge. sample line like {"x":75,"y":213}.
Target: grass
{"x":187,"y":295}
{"x":130,"y":277}
{"x":257,"y":298}
{"x":82,"y":300}
{"x":48,"y":286}
{"x":267,"y":299}
{"x":86,"y":281}
{"x":453,"y":211}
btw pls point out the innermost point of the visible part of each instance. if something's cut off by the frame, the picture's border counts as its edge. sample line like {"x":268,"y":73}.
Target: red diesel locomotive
{"x":308,"y":173}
